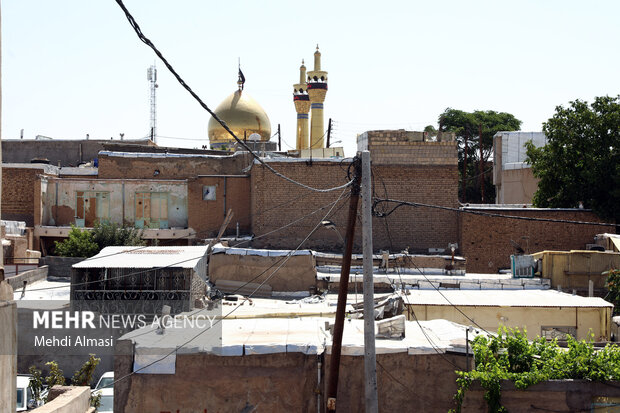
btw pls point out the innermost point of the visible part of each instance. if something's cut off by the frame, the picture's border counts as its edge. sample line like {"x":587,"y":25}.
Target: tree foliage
{"x":111,"y":234}
{"x":467,"y":126}
{"x":613,"y":289}
{"x":510,"y":356}
{"x":581,"y":161}
{"x":79,"y":243}
{"x":84,"y":376}
{"x":86,"y":243}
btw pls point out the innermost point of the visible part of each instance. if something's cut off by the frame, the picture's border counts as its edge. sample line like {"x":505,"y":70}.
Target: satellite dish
{"x":254,"y":137}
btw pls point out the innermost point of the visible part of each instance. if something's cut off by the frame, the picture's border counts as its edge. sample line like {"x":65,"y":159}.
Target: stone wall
{"x":485,"y":241}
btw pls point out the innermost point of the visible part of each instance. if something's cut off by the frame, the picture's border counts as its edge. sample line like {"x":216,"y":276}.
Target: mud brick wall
{"x":18,"y":187}
{"x":485,"y":241}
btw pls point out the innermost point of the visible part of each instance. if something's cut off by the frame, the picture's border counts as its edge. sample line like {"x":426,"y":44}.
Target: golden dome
{"x":243,"y":115}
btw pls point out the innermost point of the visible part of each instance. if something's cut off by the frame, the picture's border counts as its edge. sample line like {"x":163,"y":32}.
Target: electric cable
{"x":465,"y":210}
{"x":149,"y":43}
{"x":167,"y":266}
{"x":232,"y":310}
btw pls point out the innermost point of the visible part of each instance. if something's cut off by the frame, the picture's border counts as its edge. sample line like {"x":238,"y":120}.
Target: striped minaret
{"x":317,"y":88}
{"x":302,"y":107}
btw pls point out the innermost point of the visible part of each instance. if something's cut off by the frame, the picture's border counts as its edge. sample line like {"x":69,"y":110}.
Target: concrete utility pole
{"x":370,"y":358}
{"x":334,"y":363}
{"x":481,"y":165}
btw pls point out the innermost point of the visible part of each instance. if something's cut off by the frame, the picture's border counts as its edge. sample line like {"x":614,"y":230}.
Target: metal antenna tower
{"x":151,"y":75}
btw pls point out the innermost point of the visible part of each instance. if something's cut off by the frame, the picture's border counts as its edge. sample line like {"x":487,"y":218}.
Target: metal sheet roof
{"x":145,"y":257}
{"x":502,"y":298}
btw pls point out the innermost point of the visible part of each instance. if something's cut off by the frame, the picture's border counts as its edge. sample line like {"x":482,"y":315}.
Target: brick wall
{"x":169,"y":166}
{"x":206,"y":217}
{"x":276,"y":202}
{"x":400,"y":147}
{"x":485,"y":241}
{"x":18,"y":186}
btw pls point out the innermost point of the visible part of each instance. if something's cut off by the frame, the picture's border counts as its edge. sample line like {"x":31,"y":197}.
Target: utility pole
{"x":334,"y":363}
{"x":481,"y":165}
{"x":329,"y":131}
{"x":465,"y":169}
{"x":279,"y":139}
{"x":370,"y":357}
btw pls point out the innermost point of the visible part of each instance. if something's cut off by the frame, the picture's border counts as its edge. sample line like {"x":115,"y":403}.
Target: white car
{"x":105,"y":380}
{"x":24,"y":394}
{"x":106,"y":401}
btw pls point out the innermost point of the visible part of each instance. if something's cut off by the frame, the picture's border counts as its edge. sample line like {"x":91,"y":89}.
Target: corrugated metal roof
{"x":503,"y":298}
{"x":145,"y":257}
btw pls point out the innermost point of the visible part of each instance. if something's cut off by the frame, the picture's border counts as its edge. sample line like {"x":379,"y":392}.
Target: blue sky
{"x":75,"y":67}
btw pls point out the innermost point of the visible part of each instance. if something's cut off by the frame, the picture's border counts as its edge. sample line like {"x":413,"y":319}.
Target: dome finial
{"x":241,"y":78}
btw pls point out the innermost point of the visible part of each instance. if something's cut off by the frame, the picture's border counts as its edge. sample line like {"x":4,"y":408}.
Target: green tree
{"x":581,"y":162}
{"x":79,"y":243}
{"x":86,"y":243}
{"x":467,"y":126}
{"x":110,"y":234}
{"x":36,"y":383}
{"x":55,"y":376}
{"x":84,"y":376}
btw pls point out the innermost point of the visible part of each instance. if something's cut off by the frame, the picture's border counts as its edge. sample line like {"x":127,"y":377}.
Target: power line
{"x":175,"y":263}
{"x":150,"y":44}
{"x":409,"y":307}
{"x":400,"y":203}
{"x":289,"y":255}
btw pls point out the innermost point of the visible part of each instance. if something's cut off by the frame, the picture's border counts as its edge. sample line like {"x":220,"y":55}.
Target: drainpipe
{"x":318,"y":385}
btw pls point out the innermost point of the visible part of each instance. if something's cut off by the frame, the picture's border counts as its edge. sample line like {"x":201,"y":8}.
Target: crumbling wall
{"x":282,"y":382}
{"x":297,"y":274}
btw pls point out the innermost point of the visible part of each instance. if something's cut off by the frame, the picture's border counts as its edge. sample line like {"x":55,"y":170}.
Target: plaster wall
{"x":8,"y":348}
{"x":574,"y":269}
{"x":297,"y":274}
{"x":59,"y":199}
{"x":282,"y":382}
{"x":532,"y":319}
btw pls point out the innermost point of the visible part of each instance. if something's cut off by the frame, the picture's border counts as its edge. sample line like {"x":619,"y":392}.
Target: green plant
{"x":510,"y":356}
{"x":55,"y":376}
{"x":84,"y":376}
{"x":107,"y":234}
{"x":36,"y":383}
{"x":79,"y":243}
{"x":613,"y":289}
